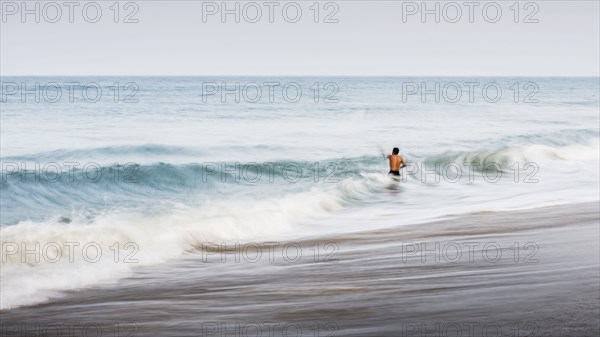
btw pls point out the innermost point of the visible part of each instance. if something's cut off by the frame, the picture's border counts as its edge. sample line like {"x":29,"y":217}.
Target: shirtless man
{"x":396,"y":162}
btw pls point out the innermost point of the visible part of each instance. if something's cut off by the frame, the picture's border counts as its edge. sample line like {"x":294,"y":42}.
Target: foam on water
{"x":151,"y":239}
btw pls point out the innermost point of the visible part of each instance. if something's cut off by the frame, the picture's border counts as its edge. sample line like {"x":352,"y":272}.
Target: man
{"x":396,"y":162}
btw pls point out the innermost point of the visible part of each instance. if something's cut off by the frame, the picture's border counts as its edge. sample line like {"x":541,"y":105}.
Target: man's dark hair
{"x":395,"y":150}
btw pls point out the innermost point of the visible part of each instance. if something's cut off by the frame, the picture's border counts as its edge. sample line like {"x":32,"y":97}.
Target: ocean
{"x":200,"y":205}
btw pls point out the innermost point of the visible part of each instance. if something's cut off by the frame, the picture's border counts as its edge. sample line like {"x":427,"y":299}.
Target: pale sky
{"x":370,"y":38}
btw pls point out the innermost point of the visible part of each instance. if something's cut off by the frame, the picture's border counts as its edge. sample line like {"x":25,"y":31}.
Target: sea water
{"x":149,"y":168}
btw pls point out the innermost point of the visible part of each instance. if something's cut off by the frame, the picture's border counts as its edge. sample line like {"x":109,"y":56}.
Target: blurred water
{"x":157,"y":157}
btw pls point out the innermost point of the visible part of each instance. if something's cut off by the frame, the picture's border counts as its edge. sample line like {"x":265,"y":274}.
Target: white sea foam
{"x":29,"y":278}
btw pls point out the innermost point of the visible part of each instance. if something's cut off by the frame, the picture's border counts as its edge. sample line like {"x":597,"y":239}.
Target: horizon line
{"x":254,"y":75}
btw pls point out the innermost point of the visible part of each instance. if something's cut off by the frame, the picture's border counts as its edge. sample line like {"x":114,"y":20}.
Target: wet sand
{"x":520,"y":273}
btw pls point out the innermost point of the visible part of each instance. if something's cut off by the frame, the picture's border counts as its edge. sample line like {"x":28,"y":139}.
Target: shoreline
{"x":383,"y":284}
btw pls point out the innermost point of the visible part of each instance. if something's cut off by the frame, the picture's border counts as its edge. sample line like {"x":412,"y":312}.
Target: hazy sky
{"x":369,"y":38}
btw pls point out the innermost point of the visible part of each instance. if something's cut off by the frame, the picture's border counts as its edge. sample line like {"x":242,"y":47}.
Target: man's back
{"x":395,"y":161}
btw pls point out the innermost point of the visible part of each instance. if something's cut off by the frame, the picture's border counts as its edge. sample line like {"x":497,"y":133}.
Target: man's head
{"x":395,"y":151}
